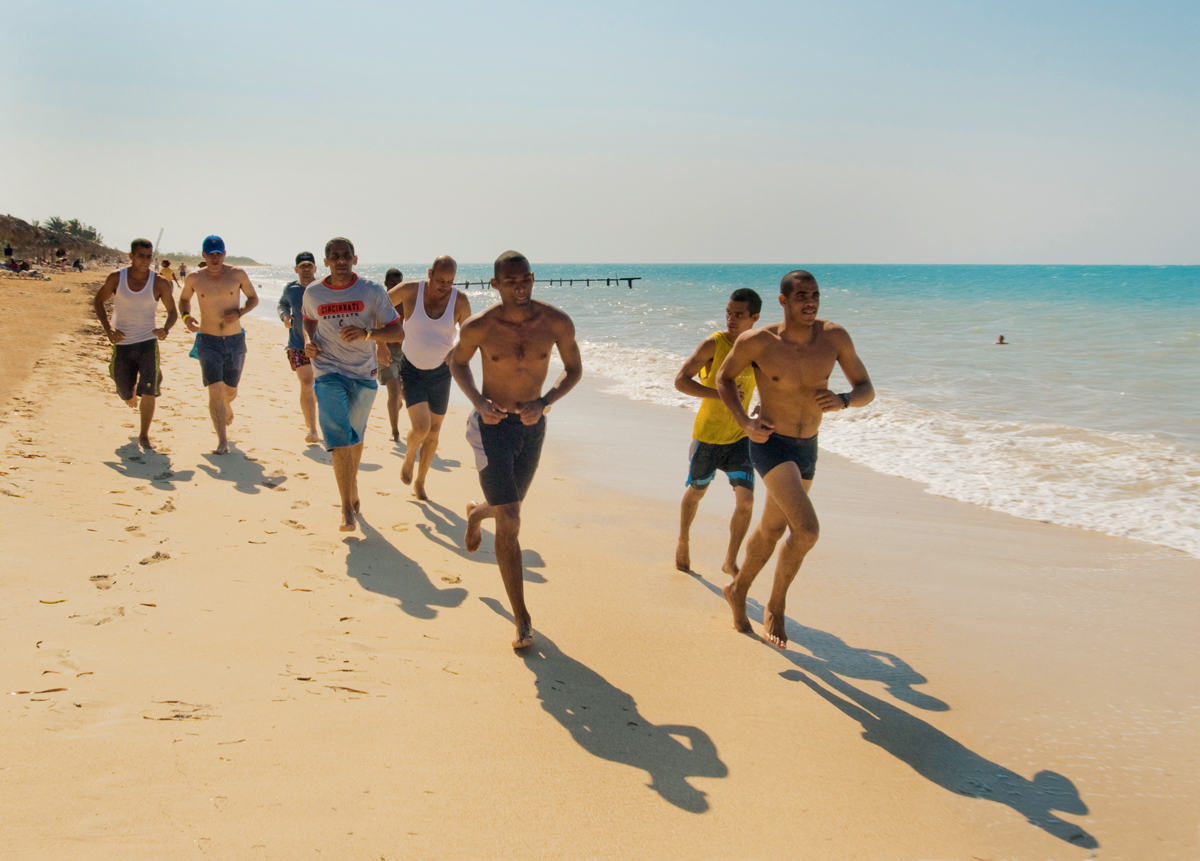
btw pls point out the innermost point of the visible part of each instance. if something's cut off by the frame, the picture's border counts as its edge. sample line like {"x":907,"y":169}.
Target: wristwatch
{"x":845,"y":396}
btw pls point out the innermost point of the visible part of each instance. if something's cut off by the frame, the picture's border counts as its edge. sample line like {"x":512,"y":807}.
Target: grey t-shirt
{"x":362,"y":303}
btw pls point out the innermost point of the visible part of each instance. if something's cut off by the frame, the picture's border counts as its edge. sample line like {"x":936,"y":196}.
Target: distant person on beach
{"x":717,"y":440}
{"x":433,"y":309}
{"x":792,"y":362}
{"x":136,"y":292}
{"x":342,"y":315}
{"x":221,"y":347}
{"x":8,"y":252}
{"x":389,"y":365}
{"x":1000,"y":342}
{"x":508,"y":424}
{"x":291,"y":314}
{"x":165,"y":270}
{"x":182,"y":270}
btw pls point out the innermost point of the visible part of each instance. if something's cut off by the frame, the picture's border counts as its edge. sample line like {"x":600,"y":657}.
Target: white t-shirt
{"x":361,"y":303}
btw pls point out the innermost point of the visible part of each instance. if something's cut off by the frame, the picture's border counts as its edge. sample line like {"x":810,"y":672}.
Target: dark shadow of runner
{"x":381,"y":568}
{"x":247,"y":476}
{"x":605,"y":722}
{"x":151,"y":466}
{"x":447,"y":528}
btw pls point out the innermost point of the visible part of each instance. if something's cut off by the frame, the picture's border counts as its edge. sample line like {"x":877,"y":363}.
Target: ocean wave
{"x":640,"y":374}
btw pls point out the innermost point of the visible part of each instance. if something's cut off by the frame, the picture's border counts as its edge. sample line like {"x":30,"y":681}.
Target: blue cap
{"x":213,"y":245}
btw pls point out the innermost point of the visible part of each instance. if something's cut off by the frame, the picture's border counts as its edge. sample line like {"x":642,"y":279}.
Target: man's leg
{"x":739,"y":525}
{"x":787,"y":509}
{"x":147,"y":415}
{"x":687,"y":513}
{"x":217,"y":406}
{"x":512,"y":570}
{"x":395,"y":399}
{"x":308,"y":402}
{"x":345,"y":471}
{"x":429,"y":448}
{"x":420,"y":420}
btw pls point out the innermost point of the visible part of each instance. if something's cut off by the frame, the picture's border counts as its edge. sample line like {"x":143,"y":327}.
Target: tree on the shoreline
{"x":74,"y":227}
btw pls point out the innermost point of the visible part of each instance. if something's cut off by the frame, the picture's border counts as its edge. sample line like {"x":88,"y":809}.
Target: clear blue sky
{"x":887,"y":132}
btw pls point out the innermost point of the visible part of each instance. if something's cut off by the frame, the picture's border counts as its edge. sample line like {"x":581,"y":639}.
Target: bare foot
{"x":419,"y":491}
{"x":741,"y":622}
{"x":524,"y":636}
{"x":773,"y":631}
{"x":144,"y":442}
{"x":222,"y":448}
{"x":474,"y":536}
{"x":406,"y":471}
{"x":730,"y":567}
{"x":348,"y":524}
{"x":132,"y":403}
{"x":312,"y":436}
{"x":396,"y":435}
{"x":228,"y":414}
{"x":357,"y":506}
{"x":683,"y":556}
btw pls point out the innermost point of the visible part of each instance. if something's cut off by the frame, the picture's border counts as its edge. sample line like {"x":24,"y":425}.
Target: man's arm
{"x":312,"y":346}
{"x":568,"y":351}
{"x":185,"y":304}
{"x":861,"y":392}
{"x":284,"y":309}
{"x":399,"y":294}
{"x":164,"y":292}
{"x":470,"y":337}
{"x":685,"y":380}
{"x":462,"y":308}
{"x":251,"y":298}
{"x":745,"y":350}
{"x":107,"y":290}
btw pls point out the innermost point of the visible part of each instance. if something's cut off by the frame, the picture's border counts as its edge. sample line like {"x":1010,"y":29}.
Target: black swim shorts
{"x":732,"y":459}
{"x":421,"y":386}
{"x":780,"y":449}
{"x":221,"y":358}
{"x":134,"y":368}
{"x":506,"y":455}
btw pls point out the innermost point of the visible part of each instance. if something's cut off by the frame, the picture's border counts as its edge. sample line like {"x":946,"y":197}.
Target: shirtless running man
{"x":136,"y":292}
{"x":432,"y":310}
{"x":221,"y":346}
{"x":506,"y":430}
{"x":792,"y":362}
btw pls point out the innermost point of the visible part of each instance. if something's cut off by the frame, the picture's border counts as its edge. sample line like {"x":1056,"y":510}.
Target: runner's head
{"x":166,"y":264}
{"x":306,"y":266}
{"x":799,"y":296}
{"x":213,"y":251}
{"x":441,"y":275}
{"x":141,"y":255}
{"x":742,"y":310}
{"x":340,"y":258}
{"x":513,"y":278}
{"x":392,"y":278}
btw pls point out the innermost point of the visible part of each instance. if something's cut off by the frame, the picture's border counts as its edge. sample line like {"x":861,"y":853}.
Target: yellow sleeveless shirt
{"x":714,"y":422}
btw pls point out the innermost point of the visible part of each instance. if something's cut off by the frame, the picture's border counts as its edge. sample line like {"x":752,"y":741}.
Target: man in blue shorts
{"x":291,"y":314}
{"x":718,"y":443}
{"x":343,"y":314}
{"x":792,"y":362}
{"x":221,"y":347}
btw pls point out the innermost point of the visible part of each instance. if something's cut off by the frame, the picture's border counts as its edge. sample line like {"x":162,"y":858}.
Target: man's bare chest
{"x":796,"y":366}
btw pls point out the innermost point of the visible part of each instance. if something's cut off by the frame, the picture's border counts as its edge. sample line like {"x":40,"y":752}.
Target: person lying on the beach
{"x":792,"y":362}
{"x":221,"y":347}
{"x":717,"y":441}
{"x":433,"y":310}
{"x":136,"y":292}
{"x":342,"y":315}
{"x":508,"y":424}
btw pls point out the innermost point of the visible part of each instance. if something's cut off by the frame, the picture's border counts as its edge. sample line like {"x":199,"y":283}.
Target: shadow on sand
{"x":246,"y":475}
{"x":151,"y":466}
{"x":605,"y":721}
{"x":381,"y":568}
{"x":446,"y":529}
{"x":925,"y":749}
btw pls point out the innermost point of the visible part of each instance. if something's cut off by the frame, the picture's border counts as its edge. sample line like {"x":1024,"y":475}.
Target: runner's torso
{"x":714,"y":422}
{"x":426,"y":340}
{"x":134,"y":310}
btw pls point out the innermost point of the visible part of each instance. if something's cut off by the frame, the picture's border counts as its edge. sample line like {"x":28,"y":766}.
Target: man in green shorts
{"x":389,"y":365}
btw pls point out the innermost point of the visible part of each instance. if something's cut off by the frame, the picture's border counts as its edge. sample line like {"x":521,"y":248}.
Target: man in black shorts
{"x":508,"y":425}
{"x":389,"y":365}
{"x":792,"y":362}
{"x":136,"y":292}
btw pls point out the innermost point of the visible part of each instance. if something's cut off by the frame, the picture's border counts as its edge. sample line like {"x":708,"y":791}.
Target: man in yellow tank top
{"x":718,"y":442}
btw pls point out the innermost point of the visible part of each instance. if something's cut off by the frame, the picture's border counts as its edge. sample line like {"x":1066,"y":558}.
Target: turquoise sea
{"x":1089,"y":418}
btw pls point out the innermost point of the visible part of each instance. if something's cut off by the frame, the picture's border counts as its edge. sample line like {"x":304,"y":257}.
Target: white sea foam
{"x":1130,"y":485}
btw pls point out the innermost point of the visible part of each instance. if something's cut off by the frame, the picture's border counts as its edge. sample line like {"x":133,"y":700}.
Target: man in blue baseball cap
{"x":221,"y":345}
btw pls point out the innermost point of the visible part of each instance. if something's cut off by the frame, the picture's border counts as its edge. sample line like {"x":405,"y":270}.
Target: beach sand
{"x":197,"y":664}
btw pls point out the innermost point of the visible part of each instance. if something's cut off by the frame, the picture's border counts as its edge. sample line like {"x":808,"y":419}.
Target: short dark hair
{"x":745,"y":294}
{"x":140,"y":243}
{"x":393,"y":271}
{"x":509,"y":257}
{"x":796,"y":276}
{"x":337,"y":239}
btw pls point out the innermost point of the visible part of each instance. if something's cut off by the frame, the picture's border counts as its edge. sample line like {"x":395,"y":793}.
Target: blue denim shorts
{"x":221,"y":358}
{"x":343,"y":406}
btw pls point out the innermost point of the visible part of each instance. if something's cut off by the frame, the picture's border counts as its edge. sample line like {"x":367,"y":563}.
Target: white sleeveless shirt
{"x":427,"y":341}
{"x":133,"y":312}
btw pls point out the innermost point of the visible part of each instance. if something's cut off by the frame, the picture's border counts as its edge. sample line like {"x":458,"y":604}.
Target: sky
{"x":619,"y":132}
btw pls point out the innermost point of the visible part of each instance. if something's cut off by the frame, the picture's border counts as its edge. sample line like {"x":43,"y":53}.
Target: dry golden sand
{"x":201,"y":666}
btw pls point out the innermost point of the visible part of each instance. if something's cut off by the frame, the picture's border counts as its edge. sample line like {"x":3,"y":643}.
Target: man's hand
{"x":383,"y":354}
{"x":190,"y":322}
{"x":311,"y":349}
{"x":287,"y":321}
{"x":350,"y":334}
{"x":758,"y":430}
{"x":116,"y":336}
{"x":161,"y":334}
{"x":531,"y":411}
{"x":828,"y":401}
{"x":492,"y":414}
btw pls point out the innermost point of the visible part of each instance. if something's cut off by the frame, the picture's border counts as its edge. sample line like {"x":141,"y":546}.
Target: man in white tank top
{"x":432,"y":311}
{"x":134,"y":333}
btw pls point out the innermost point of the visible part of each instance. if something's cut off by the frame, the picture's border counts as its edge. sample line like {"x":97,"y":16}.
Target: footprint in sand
{"x":102,"y":581}
{"x":292,"y":524}
{"x":300,"y":504}
{"x":158,"y":556}
{"x":101,"y":617}
{"x":167,"y":507}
